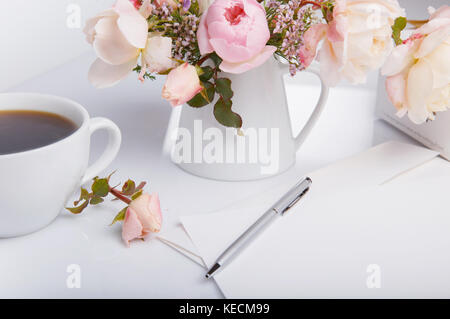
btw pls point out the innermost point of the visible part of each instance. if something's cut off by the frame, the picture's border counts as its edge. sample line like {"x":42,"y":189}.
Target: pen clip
{"x":292,"y":196}
{"x":294,"y":201}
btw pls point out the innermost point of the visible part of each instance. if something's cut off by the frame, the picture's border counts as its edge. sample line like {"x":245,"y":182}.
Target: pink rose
{"x":311,"y":40}
{"x":118,"y":35}
{"x":182,"y":84}
{"x":237,"y":31}
{"x":418,"y":71}
{"x":142,"y":217}
{"x":137,"y":3}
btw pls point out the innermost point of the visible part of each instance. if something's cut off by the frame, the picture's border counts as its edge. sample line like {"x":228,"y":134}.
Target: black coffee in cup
{"x":23,"y":130}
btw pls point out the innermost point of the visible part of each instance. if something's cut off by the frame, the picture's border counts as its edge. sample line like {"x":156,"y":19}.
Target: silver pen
{"x":281,"y":207}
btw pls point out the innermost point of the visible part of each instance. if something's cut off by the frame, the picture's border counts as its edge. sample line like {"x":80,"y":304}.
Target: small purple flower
{"x":186,"y":5}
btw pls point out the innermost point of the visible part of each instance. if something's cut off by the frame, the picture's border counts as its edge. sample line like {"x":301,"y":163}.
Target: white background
{"x":35,"y":36}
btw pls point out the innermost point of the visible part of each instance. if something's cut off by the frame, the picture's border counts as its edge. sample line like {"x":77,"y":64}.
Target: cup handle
{"x":111,"y":150}
{"x":320,"y":106}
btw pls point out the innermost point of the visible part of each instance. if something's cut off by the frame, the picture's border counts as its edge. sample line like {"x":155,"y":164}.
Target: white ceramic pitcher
{"x":266,"y":147}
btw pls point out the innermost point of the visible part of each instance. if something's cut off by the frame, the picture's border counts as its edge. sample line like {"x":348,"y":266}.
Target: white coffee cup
{"x":36,"y":184}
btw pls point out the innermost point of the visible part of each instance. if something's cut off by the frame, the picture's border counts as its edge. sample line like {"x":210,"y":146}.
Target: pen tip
{"x":212,"y":271}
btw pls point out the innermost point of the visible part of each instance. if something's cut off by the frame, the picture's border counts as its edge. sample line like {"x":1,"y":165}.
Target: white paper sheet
{"x":309,"y":252}
{"x":333,"y":249}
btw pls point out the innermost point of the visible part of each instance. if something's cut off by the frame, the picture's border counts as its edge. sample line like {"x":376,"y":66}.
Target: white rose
{"x":118,"y":36}
{"x":418,"y":71}
{"x":158,"y":53}
{"x":358,"y":40}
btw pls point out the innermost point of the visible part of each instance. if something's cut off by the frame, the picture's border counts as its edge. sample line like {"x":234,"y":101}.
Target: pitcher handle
{"x":320,"y":106}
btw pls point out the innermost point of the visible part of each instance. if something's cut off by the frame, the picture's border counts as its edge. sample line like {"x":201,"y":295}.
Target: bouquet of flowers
{"x":195,"y":43}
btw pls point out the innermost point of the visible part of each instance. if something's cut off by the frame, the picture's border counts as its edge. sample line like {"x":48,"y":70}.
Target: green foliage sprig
{"x":100,"y":189}
{"x":399,"y":25}
{"x":212,"y":85}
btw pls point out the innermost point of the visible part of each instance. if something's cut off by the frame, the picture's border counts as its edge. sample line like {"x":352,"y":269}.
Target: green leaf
{"x":223,"y":87}
{"x":215,"y":58}
{"x":79,"y":209}
{"x":120,"y":216}
{"x":147,"y":75}
{"x":136,"y":195}
{"x":165,"y":72}
{"x":225,"y":116}
{"x":207,"y":73}
{"x":199,"y":100}
{"x":84,"y":195}
{"x":100,"y":187}
{"x":129,"y":188}
{"x":96,"y":200}
{"x":399,"y":25}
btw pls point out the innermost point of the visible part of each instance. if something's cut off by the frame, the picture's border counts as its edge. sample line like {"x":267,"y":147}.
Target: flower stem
{"x":123,"y":198}
{"x":417,"y":23}
{"x":203,"y":59}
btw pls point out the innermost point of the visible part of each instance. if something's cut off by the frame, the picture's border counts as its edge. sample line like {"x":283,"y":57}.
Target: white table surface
{"x":35,"y":266}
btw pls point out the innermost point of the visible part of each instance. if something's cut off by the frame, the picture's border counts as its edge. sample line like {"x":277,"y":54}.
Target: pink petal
{"x":432,"y":41}
{"x":146,"y":9}
{"x":89,"y":29}
{"x":182,"y":84}
{"x":237,"y":68}
{"x":251,"y":6}
{"x":110,"y":44}
{"x":311,"y":38}
{"x":442,"y":12}
{"x":418,"y":88}
{"x":432,"y":26}
{"x":337,"y":30}
{"x":103,"y":75}
{"x":131,"y":23}
{"x":401,"y":57}
{"x":330,"y":66}
{"x":155,"y":209}
{"x":231,"y":52}
{"x":395,"y":87}
{"x":132,"y":227}
{"x":202,"y":36}
{"x":439,"y":60}
{"x":221,"y":30}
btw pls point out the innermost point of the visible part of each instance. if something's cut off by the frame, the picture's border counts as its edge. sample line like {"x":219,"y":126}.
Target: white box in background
{"x":433,"y":134}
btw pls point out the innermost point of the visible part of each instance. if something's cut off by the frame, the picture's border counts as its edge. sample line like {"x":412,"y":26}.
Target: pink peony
{"x":142,"y":217}
{"x":237,"y":31}
{"x":418,"y":71}
{"x":182,"y":84}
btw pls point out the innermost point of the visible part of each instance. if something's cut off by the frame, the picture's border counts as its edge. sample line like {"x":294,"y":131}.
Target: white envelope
{"x":267,"y":268}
